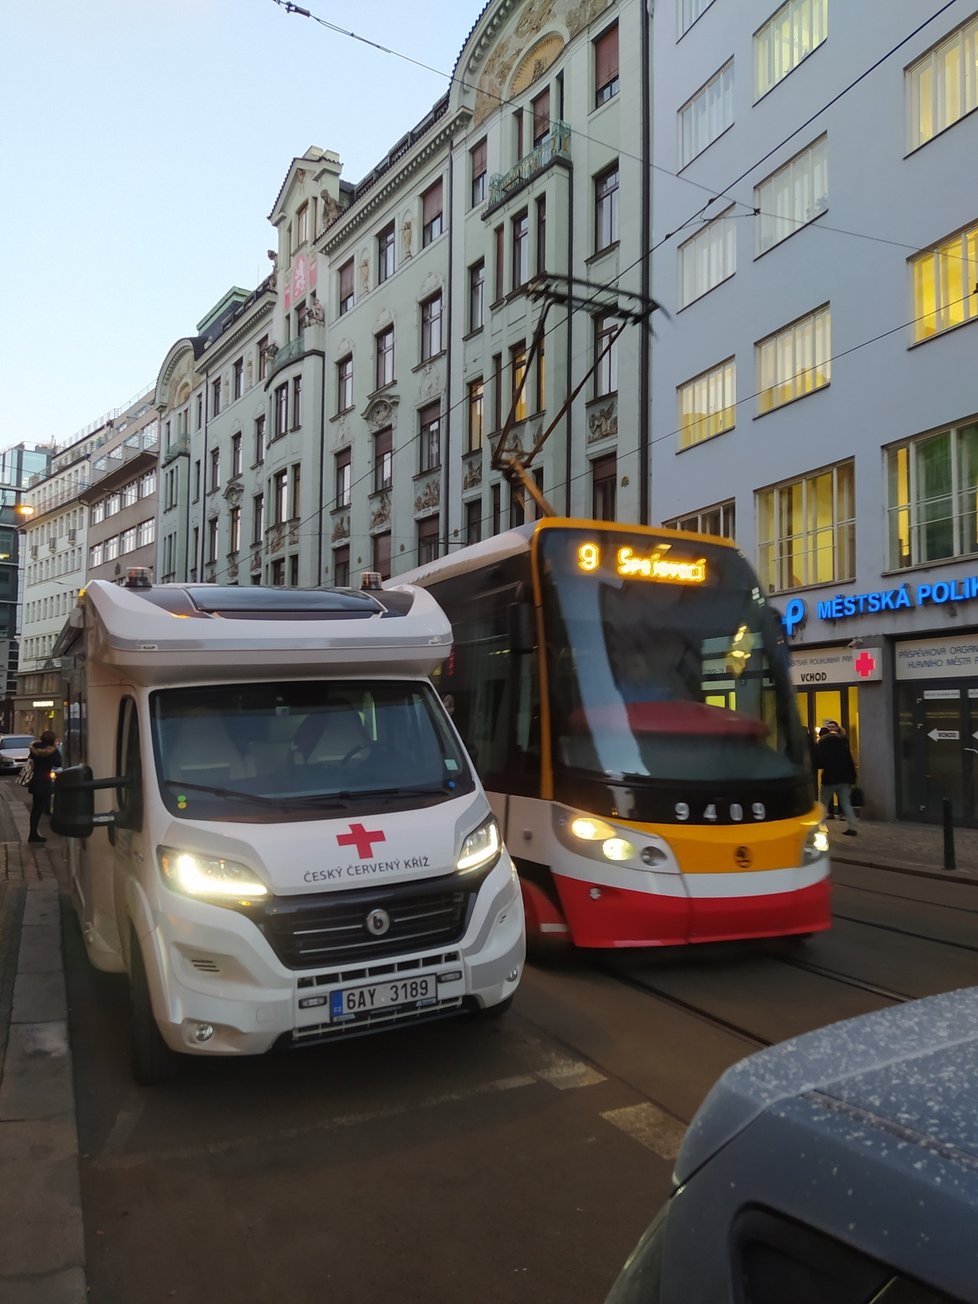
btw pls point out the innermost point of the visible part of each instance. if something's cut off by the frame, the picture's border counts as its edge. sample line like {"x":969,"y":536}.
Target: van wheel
{"x":496,"y":1011}
{"x":153,"y":1063}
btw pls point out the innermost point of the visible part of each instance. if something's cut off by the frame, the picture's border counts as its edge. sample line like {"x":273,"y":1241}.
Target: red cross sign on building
{"x":360,"y":838}
{"x":864,"y":665}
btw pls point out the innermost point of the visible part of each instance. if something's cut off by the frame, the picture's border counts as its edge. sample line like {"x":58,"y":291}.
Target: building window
{"x":604,"y":483}
{"x":944,"y":280}
{"x":793,"y":196}
{"x":517,"y":364}
{"x":787,"y":37}
{"x":476,"y":410}
{"x":236,"y":454}
{"x":932,"y":497}
{"x":382,"y":554}
{"x":212,"y":526}
{"x":281,"y":410}
{"x":146,"y":532}
{"x":517,"y":510}
{"x":521,"y":249}
{"x":341,"y":567}
{"x":477,"y":171}
{"x":344,"y":383}
{"x":259,"y":440}
{"x":806,"y":530}
{"x":127,"y":540}
{"x":473,"y":521}
{"x":430,"y":431}
{"x":215,"y":480}
{"x":431,"y":327}
{"x":495,"y":508}
{"x":606,"y":66}
{"x":344,"y":482}
{"x":296,"y":402}
{"x":215,"y":397}
{"x":238,"y":386}
{"x":709,"y":258}
{"x":606,"y":208}
{"x":541,"y":234}
{"x":477,"y":295}
{"x":280,"y":497}
{"x":302,"y":224}
{"x":689,"y":11}
{"x":540,"y":112}
{"x":234,"y":529}
{"x":130,"y":493}
{"x":346,"y":286}
{"x":499,"y":242}
{"x":262,"y":364}
{"x":383,"y":460}
{"x":295,"y":506}
{"x":385,"y":357}
{"x":942,"y":86}
{"x":794,"y":361}
{"x":98,"y":512}
{"x":432,"y":223}
{"x":720,"y":520}
{"x":541,"y":370}
{"x":257,"y":518}
{"x":606,"y":329}
{"x":708,"y":404}
{"x":277,"y":573}
{"x":385,"y":253}
{"x":427,"y":540}
{"x":707,"y":115}
{"x":518,"y":133}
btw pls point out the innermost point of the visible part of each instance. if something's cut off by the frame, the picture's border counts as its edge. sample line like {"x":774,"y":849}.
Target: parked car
{"x":14,"y":750}
{"x":838,"y":1167}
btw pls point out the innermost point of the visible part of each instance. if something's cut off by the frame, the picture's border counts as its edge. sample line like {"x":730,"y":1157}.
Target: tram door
{"x":938,"y":752}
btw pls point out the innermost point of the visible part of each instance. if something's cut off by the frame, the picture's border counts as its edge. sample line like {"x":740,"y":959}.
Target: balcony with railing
{"x":145,"y":441}
{"x":554,"y":148}
{"x":286,"y":353}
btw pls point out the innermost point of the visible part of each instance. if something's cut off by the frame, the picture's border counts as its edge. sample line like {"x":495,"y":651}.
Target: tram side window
{"x":494,"y":692}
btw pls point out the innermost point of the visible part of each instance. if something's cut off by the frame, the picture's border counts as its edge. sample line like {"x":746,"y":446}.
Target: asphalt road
{"x":516,"y":1160}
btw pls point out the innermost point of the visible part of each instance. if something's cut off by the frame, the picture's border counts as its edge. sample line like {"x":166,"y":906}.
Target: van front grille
{"x":331,"y":928}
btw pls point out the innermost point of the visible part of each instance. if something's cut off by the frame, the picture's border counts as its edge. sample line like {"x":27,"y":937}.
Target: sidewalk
{"x":42,"y":1248}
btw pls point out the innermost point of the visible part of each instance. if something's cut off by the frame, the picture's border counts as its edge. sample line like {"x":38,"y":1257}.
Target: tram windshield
{"x":664,"y":661}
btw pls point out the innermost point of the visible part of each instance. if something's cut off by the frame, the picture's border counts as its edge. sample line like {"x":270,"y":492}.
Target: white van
{"x":276,"y":831}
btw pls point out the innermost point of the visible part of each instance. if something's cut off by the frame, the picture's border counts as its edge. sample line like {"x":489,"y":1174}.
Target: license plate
{"x":355,"y":1002}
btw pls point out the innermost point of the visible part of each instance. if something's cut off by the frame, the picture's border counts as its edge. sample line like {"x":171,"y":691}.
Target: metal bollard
{"x":948,"y":836}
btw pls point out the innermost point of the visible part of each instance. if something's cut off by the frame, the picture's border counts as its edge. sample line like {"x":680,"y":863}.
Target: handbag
{"x":856,"y":796}
{"x":26,"y":772}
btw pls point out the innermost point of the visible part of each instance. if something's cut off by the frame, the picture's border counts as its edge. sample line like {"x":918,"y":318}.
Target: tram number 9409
{"x":711,"y":812}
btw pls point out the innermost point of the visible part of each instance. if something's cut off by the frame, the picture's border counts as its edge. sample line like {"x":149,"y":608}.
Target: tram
{"x":624,"y":692}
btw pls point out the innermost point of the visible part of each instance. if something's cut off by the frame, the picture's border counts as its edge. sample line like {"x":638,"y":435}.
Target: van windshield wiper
{"x":415,"y":790}
{"x":233,"y":794}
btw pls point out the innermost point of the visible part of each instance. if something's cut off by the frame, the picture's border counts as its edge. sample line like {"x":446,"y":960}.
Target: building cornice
{"x":353,"y":218}
{"x":227,"y":344}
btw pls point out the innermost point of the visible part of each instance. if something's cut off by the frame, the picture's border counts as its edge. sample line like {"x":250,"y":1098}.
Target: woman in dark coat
{"x":834,"y":759}
{"x":45,"y":757}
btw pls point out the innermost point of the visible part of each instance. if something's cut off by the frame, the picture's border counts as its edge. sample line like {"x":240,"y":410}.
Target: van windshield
{"x":273,"y":752}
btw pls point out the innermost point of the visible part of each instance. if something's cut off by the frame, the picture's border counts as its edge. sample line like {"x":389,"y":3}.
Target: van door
{"x":126,"y":832}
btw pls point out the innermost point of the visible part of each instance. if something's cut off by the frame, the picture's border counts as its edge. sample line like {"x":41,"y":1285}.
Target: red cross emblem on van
{"x":361,"y":838}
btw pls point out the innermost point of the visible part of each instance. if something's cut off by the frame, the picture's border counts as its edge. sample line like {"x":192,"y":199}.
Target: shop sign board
{"x":954,"y":657}
{"x":836,"y":665}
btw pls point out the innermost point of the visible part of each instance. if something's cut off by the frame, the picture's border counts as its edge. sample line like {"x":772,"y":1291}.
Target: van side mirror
{"x":73,"y":801}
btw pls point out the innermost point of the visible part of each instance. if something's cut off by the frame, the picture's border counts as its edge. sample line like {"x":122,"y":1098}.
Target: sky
{"x":142,"y":146}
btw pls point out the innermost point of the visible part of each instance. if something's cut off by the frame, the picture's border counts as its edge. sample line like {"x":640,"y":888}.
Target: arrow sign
{"x":944,"y":735}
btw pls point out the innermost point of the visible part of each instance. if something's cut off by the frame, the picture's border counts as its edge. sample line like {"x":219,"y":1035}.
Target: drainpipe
{"x":645,"y":230}
{"x":446,"y":461}
{"x":569,"y":348}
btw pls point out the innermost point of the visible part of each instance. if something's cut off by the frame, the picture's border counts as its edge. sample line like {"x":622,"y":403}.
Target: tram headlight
{"x":619,"y":849}
{"x":590,"y":829}
{"x":816,"y":844}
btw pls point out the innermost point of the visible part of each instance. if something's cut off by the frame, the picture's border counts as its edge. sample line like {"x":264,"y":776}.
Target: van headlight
{"x":209,"y":877}
{"x":481,"y":848}
{"x":816,"y":845}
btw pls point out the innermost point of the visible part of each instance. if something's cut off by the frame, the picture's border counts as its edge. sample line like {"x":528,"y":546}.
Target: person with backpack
{"x":45,"y":758}
{"x":834,"y":759}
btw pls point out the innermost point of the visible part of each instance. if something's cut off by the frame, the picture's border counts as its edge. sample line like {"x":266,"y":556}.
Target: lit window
{"x":943,"y":284}
{"x":794,"y":361}
{"x":806,"y":530}
{"x":942,"y":85}
{"x":932,"y":497}
{"x":708,"y":404}
{"x":788,"y":36}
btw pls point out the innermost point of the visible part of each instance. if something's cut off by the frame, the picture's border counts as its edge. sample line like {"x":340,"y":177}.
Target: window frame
{"x":606,"y":82}
{"x":606,"y":208}
{"x":800,"y":14}
{"x":431,"y":327}
{"x":780,"y":206}
{"x":384,"y":357}
{"x":432,"y":219}
{"x":706,"y":115}
{"x":429,"y":437}
{"x":708,"y":258}
{"x":716,"y":389}
{"x":932,"y":66}
{"x":804,"y":546}
{"x":787,"y":387}
{"x":386,"y":264}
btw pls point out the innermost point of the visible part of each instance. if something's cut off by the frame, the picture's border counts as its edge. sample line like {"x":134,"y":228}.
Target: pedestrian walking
{"x":834,"y":759}
{"x":45,"y":758}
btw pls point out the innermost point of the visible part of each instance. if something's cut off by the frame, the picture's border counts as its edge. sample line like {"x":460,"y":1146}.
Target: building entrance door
{"x":938,"y":751}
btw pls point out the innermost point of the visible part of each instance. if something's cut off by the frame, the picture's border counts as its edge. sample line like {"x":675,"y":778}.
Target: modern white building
{"x":815,"y":228}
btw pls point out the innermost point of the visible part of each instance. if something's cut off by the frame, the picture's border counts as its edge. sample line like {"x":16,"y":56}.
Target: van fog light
{"x":203,"y":1032}
{"x":618,"y":849}
{"x":512,"y":976}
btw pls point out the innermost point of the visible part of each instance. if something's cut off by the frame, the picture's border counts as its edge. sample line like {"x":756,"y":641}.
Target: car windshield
{"x":271,"y":752}
{"x":15,"y":742}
